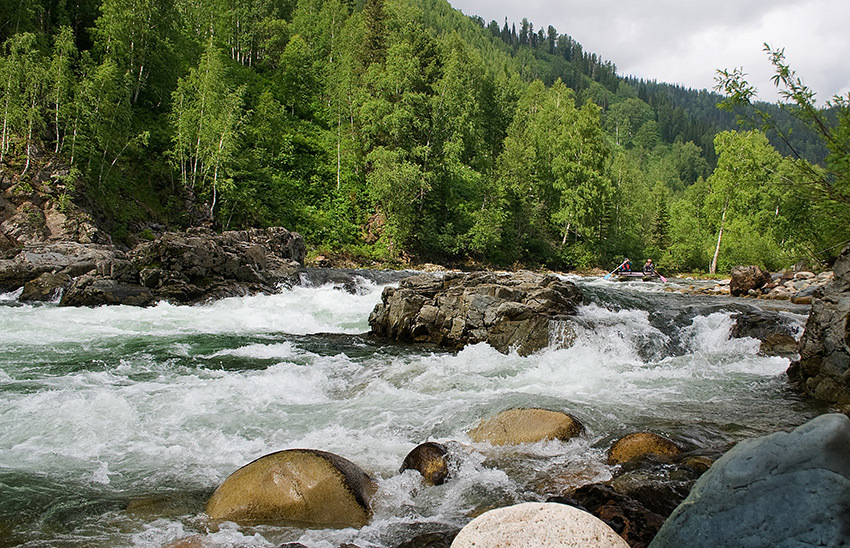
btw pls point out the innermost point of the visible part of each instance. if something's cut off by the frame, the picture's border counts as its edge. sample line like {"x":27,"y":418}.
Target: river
{"x":118,"y":422}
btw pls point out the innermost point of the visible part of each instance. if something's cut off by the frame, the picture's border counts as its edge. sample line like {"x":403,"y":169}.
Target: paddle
{"x":606,"y":276}
{"x":663,"y":279}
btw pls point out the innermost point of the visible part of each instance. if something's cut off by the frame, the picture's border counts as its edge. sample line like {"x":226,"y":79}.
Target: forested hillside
{"x":398,"y":130}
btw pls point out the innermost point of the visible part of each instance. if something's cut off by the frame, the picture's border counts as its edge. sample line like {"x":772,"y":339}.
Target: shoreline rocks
{"x":823,"y":370}
{"x":183,"y":268}
{"x":795,"y":287}
{"x":506,"y":311}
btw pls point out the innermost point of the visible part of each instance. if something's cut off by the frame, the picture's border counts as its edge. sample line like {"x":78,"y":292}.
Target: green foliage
{"x":395,"y":130}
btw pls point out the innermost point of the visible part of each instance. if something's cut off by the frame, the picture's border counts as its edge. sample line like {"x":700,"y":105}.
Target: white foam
{"x":204,"y":390}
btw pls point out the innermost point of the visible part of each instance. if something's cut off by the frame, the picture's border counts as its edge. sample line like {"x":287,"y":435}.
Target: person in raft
{"x":649,"y":268}
{"x":626,"y":266}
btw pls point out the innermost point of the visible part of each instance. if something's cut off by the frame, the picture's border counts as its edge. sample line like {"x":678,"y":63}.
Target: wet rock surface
{"x":299,"y":486}
{"x":184,"y":268}
{"x":507,"y":311}
{"x":823,"y":370}
{"x":777,"y":333}
{"x":785,"y":489}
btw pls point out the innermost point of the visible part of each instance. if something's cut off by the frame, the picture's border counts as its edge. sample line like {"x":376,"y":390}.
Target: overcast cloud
{"x":684,"y":42}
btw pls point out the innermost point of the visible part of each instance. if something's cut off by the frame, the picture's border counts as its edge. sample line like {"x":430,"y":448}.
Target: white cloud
{"x":685,"y":43}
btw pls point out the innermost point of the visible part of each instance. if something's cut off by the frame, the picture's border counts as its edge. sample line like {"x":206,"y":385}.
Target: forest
{"x":406,"y":132}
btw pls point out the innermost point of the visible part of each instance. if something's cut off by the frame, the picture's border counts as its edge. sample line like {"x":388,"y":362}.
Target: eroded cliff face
{"x":823,"y":370}
{"x":39,"y":207}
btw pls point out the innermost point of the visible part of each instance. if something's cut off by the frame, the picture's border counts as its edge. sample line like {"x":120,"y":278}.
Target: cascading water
{"x":119,"y":422}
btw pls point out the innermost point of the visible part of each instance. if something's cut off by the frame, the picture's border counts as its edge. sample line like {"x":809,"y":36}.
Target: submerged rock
{"x":542,"y":525}
{"x":640,"y":444}
{"x":429,"y":459}
{"x":526,"y":426}
{"x":785,"y":489}
{"x":775,"y":331}
{"x":296,"y":486}
{"x":506,"y":311}
{"x":823,"y":370}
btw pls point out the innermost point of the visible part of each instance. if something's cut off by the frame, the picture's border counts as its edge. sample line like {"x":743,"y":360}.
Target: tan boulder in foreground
{"x":298,"y":486}
{"x":639,"y":444}
{"x":526,"y":426}
{"x":538,"y":525}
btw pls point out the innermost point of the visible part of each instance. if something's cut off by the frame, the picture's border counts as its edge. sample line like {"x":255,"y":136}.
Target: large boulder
{"x":507,"y":311}
{"x":785,"y":489}
{"x":823,"y":370}
{"x":89,"y":290}
{"x":516,"y":426}
{"x":542,"y":525}
{"x":295,"y":486}
{"x":745,"y":278}
{"x":47,"y":287}
{"x":202,"y":257}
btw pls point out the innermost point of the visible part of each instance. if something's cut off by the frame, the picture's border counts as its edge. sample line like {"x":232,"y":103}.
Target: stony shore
{"x":796,"y":287}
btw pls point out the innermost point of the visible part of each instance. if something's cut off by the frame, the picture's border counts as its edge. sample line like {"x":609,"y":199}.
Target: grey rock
{"x":823,"y":370}
{"x":180,"y":267}
{"x":782,"y":490}
{"x":776,"y":332}
{"x":506,"y":311}
{"x":93,"y":290}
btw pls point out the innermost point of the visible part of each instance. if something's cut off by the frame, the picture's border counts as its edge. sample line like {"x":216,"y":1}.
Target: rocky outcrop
{"x":38,"y":208}
{"x":823,"y":370}
{"x":785,"y":489}
{"x":506,"y":311}
{"x":184,"y":268}
{"x":297,"y":486}
{"x":543,"y":525}
{"x":515,"y":426}
{"x":746,"y":278}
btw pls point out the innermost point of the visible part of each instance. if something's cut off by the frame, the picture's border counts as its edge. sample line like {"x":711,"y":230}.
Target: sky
{"x":685,"y":42}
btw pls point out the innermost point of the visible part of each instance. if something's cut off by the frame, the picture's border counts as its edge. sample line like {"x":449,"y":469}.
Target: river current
{"x":118,"y":422}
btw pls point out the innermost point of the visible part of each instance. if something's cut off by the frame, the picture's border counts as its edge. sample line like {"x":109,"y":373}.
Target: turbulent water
{"x":118,"y":422}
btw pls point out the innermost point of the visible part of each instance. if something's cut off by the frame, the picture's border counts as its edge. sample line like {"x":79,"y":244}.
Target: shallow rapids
{"x":119,"y":422}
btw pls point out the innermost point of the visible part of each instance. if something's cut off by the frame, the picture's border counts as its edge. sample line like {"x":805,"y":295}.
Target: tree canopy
{"x":401,"y":130}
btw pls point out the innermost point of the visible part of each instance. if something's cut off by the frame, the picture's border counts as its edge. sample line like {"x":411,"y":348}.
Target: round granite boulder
{"x":296,"y":486}
{"x":526,"y":426}
{"x":539,"y":525}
